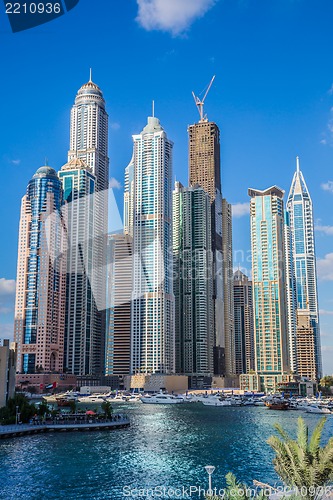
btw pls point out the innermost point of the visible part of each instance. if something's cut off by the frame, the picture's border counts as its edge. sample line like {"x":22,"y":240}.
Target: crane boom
{"x":200,"y":102}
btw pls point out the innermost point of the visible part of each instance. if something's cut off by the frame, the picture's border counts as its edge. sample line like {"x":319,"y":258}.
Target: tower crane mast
{"x":200,"y":102}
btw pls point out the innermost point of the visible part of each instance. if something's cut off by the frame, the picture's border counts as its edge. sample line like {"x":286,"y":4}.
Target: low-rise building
{"x":7,"y":371}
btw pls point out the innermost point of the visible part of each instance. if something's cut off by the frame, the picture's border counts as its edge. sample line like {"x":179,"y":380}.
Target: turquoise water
{"x":165,"y":446}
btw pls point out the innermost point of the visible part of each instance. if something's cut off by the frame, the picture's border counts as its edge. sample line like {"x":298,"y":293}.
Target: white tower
{"x":152,"y":329}
{"x":299,"y":207}
{"x":89,"y":143}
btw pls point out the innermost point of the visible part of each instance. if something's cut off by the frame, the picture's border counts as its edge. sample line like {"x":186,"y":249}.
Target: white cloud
{"x":115,"y":125}
{"x":325,"y":267}
{"x":324,"y":229}
{"x":173,"y":16}
{"x":327,"y":186}
{"x":114,"y":184}
{"x":7,"y":287}
{"x":15,"y":162}
{"x":240,"y":209}
{"x":7,"y":295}
{"x":323,"y":312}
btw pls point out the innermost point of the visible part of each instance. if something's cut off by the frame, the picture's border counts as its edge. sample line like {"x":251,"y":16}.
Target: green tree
{"x":235,"y":490}
{"x":20,"y":404}
{"x":107,"y":409}
{"x":72,"y":405}
{"x":43,"y":408}
{"x":326,"y":383}
{"x":303,"y":464}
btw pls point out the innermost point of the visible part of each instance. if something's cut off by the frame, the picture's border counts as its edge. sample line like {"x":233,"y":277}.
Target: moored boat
{"x":277,"y":405}
{"x":162,"y":399}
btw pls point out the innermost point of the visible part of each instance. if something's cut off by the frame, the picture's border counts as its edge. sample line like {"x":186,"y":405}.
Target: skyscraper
{"x":204,"y":171}
{"x":228,"y":289}
{"x":120,"y":277}
{"x":41,"y":277}
{"x":244,"y":328}
{"x":299,"y":207}
{"x":82,"y":338}
{"x":89,"y":142}
{"x":128,"y":198}
{"x":89,"y":132}
{"x":291,"y":295}
{"x":269,"y":290}
{"x":193,"y":282}
{"x":153,"y":299}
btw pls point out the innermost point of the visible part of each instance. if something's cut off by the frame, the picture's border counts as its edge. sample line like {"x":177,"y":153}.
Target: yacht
{"x":92,"y":398}
{"x":318,"y":409}
{"x":216,"y":402}
{"x":162,"y":399}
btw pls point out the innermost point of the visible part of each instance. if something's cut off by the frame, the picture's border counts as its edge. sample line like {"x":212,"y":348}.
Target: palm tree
{"x":303,"y":464}
{"x":107,"y":408}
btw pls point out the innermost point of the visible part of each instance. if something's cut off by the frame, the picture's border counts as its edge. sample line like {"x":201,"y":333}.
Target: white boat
{"x":216,"y":402}
{"x":318,"y":409}
{"x":162,"y":399}
{"x":135,"y":398}
{"x":92,"y":398}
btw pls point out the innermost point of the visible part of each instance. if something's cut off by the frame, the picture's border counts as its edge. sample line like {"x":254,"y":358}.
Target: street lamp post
{"x":210,"y":469}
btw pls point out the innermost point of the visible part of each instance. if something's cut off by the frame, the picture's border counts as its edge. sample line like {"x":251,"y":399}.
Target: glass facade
{"x":153,"y":301}
{"x":39,"y":276}
{"x":299,"y":208}
{"x":269,"y":285}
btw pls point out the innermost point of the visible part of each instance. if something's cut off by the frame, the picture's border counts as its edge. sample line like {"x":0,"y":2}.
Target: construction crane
{"x":200,"y":102}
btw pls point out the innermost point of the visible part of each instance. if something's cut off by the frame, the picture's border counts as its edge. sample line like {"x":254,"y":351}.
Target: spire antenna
{"x":200,"y":102}
{"x":90,"y":75}
{"x":297,"y":164}
{"x":153,"y":105}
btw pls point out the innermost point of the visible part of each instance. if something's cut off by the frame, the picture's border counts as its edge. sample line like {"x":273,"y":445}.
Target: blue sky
{"x":272,"y":99}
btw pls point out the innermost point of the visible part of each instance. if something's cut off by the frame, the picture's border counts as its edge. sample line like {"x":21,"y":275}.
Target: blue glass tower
{"x":299,"y":207}
{"x":82,"y":336}
{"x":40,"y":295}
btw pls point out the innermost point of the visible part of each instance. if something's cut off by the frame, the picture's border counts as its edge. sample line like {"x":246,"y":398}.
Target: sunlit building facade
{"x":269,"y":276}
{"x":299,"y":207}
{"x":41,"y":277}
{"x":152,"y":328}
{"x":205,"y":171}
{"x":89,"y":143}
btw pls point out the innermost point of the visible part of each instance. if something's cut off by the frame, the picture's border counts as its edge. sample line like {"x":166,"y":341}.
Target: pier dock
{"x":7,"y":431}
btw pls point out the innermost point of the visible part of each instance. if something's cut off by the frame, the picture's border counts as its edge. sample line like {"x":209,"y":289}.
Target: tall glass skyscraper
{"x":41,"y":277}
{"x":89,"y":142}
{"x":244,"y":331}
{"x":82,"y":339}
{"x":89,"y":132}
{"x":299,"y":207}
{"x":269,"y":286}
{"x":193,"y":283}
{"x":120,"y":277}
{"x":152,"y":329}
{"x":205,"y":171}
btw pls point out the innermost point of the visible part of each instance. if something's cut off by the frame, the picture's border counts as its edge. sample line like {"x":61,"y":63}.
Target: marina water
{"x":166,"y":445}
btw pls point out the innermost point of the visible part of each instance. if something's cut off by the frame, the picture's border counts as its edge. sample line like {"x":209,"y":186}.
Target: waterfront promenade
{"x":62,"y":425}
